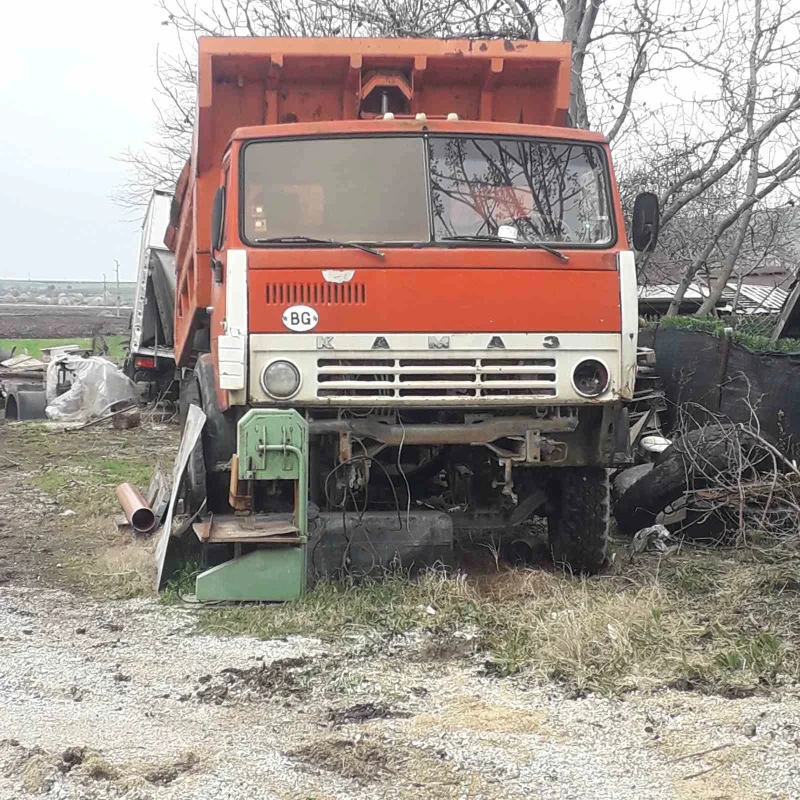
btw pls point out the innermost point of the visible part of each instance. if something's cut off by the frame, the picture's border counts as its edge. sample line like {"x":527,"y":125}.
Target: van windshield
{"x":388,"y":190}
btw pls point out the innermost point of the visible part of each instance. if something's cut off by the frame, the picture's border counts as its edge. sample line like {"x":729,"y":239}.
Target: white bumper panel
{"x":435,"y":369}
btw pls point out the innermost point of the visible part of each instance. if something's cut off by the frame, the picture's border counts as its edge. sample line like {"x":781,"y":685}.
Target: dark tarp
{"x":693,"y":369}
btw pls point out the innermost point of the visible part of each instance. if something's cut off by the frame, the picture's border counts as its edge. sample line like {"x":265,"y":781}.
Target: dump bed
{"x":153,"y":305}
{"x":269,"y":81}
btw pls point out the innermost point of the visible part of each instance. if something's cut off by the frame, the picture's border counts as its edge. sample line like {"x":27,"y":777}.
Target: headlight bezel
{"x":593,"y":363}
{"x":271,"y":393}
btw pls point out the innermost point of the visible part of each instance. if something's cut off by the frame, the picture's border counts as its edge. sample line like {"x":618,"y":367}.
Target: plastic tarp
{"x":98,"y":388}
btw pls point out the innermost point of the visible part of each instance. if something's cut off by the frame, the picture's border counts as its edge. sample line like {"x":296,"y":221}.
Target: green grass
{"x":87,"y":482}
{"x":746,"y":332}
{"x":34,"y":347}
{"x":650,"y":626}
{"x":81,"y":470}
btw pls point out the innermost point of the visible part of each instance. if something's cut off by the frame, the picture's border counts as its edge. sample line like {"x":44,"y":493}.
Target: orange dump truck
{"x":405,"y":302}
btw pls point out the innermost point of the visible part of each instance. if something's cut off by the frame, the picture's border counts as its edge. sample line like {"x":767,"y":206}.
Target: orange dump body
{"x":263,"y":87}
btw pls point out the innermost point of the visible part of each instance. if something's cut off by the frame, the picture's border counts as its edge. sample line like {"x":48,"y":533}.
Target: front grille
{"x":327,"y":294}
{"x":382,"y":378}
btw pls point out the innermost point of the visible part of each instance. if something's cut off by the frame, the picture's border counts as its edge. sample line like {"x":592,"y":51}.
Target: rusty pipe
{"x":137,"y":512}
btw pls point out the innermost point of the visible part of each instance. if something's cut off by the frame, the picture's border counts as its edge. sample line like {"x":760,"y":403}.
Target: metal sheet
{"x":195,"y":420}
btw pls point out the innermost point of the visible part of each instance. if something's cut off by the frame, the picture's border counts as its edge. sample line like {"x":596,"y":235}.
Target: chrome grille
{"x":432,"y":378}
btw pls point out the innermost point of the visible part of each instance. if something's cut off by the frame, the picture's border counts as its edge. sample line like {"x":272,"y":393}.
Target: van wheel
{"x":579,"y":518}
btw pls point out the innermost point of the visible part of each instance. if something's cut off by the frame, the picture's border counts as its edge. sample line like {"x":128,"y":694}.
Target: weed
{"x":684,"y":625}
{"x":182,"y":582}
{"x":120,"y":571}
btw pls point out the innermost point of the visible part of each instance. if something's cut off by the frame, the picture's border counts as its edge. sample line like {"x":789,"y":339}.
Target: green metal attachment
{"x":272,"y":574}
{"x":273,"y":445}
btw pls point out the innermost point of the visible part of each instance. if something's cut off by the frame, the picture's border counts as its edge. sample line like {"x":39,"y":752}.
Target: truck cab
{"x":400,"y":249}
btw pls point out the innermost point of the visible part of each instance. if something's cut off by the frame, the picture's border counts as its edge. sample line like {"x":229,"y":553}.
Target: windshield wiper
{"x":488,"y":237}
{"x":312,"y":240}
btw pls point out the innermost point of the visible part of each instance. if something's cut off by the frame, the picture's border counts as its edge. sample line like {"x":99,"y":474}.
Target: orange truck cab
{"x":397,"y":253}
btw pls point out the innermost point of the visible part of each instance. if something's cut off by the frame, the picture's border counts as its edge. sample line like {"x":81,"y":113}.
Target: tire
{"x":218,"y":439}
{"x":195,"y":477}
{"x":579,"y":518}
{"x":673,"y":473}
{"x":219,"y":433}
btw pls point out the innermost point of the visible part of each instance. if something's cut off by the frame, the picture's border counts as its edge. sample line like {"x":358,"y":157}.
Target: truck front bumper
{"x":442,"y":370}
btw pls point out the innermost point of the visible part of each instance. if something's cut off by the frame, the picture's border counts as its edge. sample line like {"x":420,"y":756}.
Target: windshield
{"x":520,"y":189}
{"x":384,"y":189}
{"x":361,"y":190}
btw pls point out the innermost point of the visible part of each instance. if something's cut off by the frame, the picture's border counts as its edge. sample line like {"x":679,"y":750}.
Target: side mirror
{"x":646,"y":222}
{"x":217,"y":219}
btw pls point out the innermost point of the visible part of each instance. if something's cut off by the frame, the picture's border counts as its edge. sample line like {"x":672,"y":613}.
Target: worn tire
{"x":218,"y":439}
{"x":219,"y":433}
{"x":194,"y":481}
{"x":673,"y":474}
{"x":579,"y":517}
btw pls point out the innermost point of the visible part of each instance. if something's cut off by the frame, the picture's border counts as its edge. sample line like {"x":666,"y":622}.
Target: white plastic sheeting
{"x":98,"y":388}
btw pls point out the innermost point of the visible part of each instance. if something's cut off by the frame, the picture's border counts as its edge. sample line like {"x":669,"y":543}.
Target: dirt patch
{"x":361,"y":760}
{"x":445,"y":648}
{"x":412,"y":771}
{"x":70,"y":758}
{"x":166,"y":774}
{"x":363,"y":712}
{"x":482,"y":717}
{"x":282,"y":677}
{"x":57,"y":502}
{"x":21,"y":323}
{"x":37,"y":771}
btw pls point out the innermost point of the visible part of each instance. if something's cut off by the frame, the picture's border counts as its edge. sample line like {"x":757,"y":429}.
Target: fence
{"x":714,"y":373}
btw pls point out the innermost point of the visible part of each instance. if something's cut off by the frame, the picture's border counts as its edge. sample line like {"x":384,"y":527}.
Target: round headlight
{"x":281,"y":379}
{"x":590,"y":378}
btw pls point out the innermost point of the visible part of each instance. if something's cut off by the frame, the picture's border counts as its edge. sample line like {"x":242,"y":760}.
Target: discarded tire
{"x":676,"y":472}
{"x":578,"y":520}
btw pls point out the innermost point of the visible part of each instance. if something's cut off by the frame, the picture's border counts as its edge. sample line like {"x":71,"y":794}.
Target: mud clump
{"x":283,"y":677}
{"x":362,"y":712}
{"x":71,"y":757}
{"x":361,"y":760}
{"x":165,"y":775}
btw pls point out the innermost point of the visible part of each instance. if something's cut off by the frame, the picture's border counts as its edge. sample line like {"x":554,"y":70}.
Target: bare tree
{"x":754,"y":143}
{"x":604,"y":37}
{"x":666,"y":80}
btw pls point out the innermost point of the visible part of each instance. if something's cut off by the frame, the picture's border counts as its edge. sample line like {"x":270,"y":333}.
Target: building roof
{"x":751,"y":299}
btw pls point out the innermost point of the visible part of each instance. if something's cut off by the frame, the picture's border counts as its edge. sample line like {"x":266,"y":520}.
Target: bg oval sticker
{"x":300,"y":318}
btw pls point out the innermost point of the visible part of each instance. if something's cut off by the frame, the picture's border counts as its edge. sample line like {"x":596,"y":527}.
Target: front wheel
{"x":195,"y":477}
{"x":579,"y":518}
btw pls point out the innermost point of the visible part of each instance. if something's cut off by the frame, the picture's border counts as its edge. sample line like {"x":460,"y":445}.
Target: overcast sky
{"x":76,"y":81}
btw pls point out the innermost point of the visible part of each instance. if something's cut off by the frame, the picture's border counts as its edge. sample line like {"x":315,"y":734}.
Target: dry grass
{"x":700,"y":620}
{"x":366,"y":760}
{"x":122,"y":570}
{"x":712,"y":620}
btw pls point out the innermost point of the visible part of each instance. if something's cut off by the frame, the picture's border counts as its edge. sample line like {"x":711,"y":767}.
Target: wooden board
{"x":217,"y":529}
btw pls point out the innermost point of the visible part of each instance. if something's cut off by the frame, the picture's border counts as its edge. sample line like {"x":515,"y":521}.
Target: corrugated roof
{"x":752,"y":299}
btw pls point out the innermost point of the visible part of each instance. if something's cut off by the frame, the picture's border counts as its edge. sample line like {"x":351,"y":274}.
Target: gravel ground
{"x":126,"y":699}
